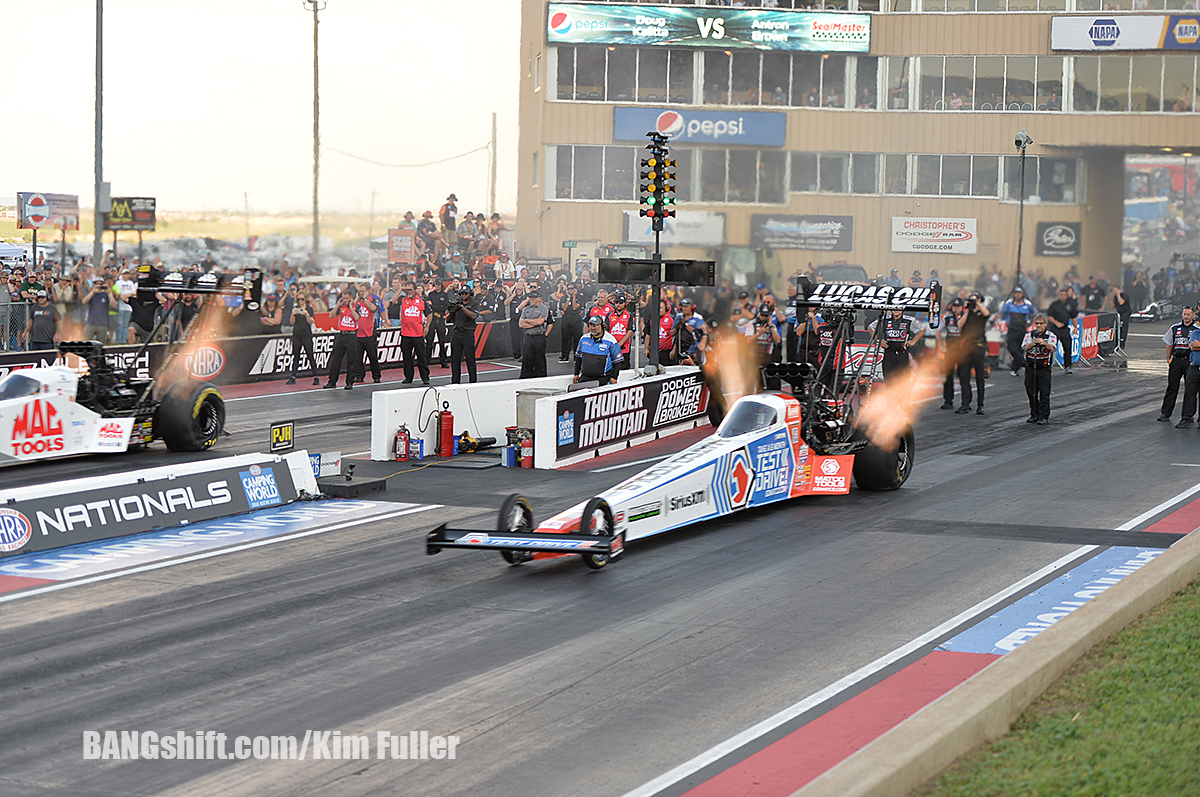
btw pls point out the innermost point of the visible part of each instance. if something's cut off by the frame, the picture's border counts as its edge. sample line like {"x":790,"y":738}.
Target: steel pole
{"x":1020,"y":222}
{"x":316,"y":241}
{"x":98,"y":217}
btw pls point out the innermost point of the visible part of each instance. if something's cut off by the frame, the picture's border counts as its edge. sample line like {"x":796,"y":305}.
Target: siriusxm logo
{"x":1104,"y":32}
{"x":566,"y":428}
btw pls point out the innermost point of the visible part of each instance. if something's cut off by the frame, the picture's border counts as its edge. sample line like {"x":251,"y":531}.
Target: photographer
{"x":764,"y":334}
{"x":1038,"y":346}
{"x":973,"y":322}
{"x":462,"y":312}
{"x":301,"y":321}
{"x":572,"y":320}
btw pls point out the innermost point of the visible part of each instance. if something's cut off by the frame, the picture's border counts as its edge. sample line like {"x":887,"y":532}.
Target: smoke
{"x":212,"y":322}
{"x":731,"y":368}
{"x":896,"y":405}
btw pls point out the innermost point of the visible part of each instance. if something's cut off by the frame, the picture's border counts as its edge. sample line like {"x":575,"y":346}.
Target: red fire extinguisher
{"x":401,"y":444}
{"x":527,"y":452}
{"x":446,"y":427}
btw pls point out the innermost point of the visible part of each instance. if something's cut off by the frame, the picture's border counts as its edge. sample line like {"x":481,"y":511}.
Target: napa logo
{"x":1187,"y":31}
{"x":1104,"y":32}
{"x":566,"y":428}
{"x":560,"y":22}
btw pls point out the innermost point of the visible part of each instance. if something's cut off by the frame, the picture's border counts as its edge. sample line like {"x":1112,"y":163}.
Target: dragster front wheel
{"x":515,"y":515}
{"x":597,"y":520}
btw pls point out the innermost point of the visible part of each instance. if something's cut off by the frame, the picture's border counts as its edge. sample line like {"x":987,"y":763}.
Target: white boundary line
{"x":629,"y":464}
{"x":210,"y":554}
{"x":731,"y":744}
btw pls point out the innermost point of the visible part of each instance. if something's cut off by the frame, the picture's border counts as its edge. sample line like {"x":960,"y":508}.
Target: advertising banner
{"x":933,"y":236}
{"x":57,"y":211}
{"x":688,"y":228}
{"x":131,"y":213}
{"x":823,"y":233}
{"x":1107,"y":333}
{"x":1125,"y":32}
{"x":55,"y":521}
{"x":758,"y":128}
{"x":402,"y":245}
{"x":1059,"y":238}
{"x":594,"y":418}
{"x":708,"y":26}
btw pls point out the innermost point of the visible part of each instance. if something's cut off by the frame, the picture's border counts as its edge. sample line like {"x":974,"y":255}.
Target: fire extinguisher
{"x":446,"y":428}
{"x":401,"y":444}
{"x":527,"y":452}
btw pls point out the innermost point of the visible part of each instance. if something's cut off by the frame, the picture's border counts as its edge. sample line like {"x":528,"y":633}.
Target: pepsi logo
{"x":560,"y":22}
{"x":829,"y":467}
{"x":669,"y":123}
{"x":15,"y":530}
{"x":205,"y":362}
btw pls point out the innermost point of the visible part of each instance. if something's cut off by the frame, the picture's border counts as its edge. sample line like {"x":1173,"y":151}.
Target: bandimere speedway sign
{"x":934,"y":236}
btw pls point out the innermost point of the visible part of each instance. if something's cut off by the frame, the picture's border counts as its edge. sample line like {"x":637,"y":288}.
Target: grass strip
{"x":1124,"y":721}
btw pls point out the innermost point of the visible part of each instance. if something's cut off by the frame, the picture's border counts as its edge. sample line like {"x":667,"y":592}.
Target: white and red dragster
{"x":770,"y":447}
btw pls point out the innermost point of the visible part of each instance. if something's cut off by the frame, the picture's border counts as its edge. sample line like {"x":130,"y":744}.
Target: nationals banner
{"x":823,"y":233}
{"x":593,"y":418}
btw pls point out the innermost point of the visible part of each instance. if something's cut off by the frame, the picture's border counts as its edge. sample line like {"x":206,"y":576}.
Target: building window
{"x":928,"y":178}
{"x":897,"y":82}
{"x":619,"y":173}
{"x":590,"y":172}
{"x":563,"y":170}
{"x":864,"y":178}
{"x":712,"y":175}
{"x":1114,"y":83}
{"x":743,"y":176}
{"x":895,"y":174}
{"x":589,"y":73}
{"x":1012,"y":177}
{"x":956,"y":175}
{"x":716,"y":77}
{"x":622,"y":73}
{"x":535,"y":169}
{"x":652,"y":75}
{"x":772,"y":176}
{"x":537,"y":75}
{"x":804,"y":171}
{"x":985,"y":175}
{"x":835,"y":172}
{"x":866,"y":82}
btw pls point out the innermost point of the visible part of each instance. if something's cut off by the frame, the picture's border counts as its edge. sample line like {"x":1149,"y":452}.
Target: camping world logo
{"x":560,"y":22}
{"x":669,"y":123}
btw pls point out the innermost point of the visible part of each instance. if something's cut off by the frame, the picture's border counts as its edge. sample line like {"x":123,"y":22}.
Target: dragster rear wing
{"x":842,"y":296}
{"x":248,"y":284}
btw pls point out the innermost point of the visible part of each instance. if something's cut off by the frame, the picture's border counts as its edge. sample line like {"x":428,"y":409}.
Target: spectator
{"x":143,"y":305}
{"x":467,"y":234}
{"x":98,"y":300}
{"x":431,"y":239}
{"x":448,"y":217}
{"x":43,"y":327}
{"x":271,"y":314}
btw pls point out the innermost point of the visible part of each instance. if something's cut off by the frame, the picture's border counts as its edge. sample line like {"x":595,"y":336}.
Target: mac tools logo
{"x":1104,"y":32}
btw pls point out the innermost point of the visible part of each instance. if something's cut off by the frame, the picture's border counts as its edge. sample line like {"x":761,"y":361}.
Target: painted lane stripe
{"x":646,"y":461}
{"x":210,"y":554}
{"x":1164,"y":506}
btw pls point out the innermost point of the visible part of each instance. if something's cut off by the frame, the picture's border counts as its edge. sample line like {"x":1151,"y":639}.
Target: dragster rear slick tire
{"x":191,"y":416}
{"x":877,"y":468}
{"x":598,"y":520}
{"x":515,"y":515}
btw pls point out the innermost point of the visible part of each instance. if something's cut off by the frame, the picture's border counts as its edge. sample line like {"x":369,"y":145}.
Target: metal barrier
{"x":13,"y":318}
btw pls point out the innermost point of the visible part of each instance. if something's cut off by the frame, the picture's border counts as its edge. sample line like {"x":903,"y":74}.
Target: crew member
{"x":666,"y":335}
{"x":414,"y":326}
{"x":951,"y":335}
{"x":1016,"y":312}
{"x":536,"y":322}
{"x":1059,"y":315}
{"x":809,"y":347}
{"x":620,"y":326}
{"x":900,"y":333}
{"x":1191,"y":383}
{"x":437,"y":300}
{"x":345,"y":342}
{"x":1178,"y":353}
{"x":572,"y":320}
{"x":973,"y":322}
{"x":597,"y":354}
{"x":1038,"y":349}
{"x":367,"y":309}
{"x":692,"y":334}
{"x":463,"y":315}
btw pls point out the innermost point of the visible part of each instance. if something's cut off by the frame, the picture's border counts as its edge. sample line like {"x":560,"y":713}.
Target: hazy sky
{"x":206,"y":100}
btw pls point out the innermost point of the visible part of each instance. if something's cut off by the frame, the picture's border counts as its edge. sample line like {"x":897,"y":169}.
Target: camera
{"x":1038,"y":334}
{"x":971,"y":303}
{"x":1022,"y":140}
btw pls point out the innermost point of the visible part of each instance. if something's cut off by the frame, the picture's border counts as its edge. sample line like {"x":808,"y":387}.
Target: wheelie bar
{"x":443,"y":537}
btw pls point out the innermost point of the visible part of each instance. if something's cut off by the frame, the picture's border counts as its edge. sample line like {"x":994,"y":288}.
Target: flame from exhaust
{"x":896,"y":405}
{"x":733,"y":367}
{"x":212,"y":322}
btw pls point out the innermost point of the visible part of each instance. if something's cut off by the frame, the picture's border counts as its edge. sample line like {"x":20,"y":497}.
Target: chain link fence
{"x":13,"y":318}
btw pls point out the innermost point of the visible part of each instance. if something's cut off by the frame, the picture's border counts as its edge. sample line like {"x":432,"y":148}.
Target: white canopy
{"x":10,"y":251}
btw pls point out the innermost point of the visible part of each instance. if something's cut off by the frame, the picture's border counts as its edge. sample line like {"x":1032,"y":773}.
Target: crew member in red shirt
{"x":620,"y":325}
{"x":666,"y":335}
{"x":367,"y":310}
{"x":414,"y":324}
{"x":345,"y":343}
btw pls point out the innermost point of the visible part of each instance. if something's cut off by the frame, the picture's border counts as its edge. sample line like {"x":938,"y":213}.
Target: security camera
{"x":1022,"y":140}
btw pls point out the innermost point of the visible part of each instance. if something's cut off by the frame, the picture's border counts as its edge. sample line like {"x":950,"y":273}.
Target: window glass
{"x":712,"y":175}
{"x":1180,"y":4}
{"x":589,"y":73}
{"x":1178,"y":79}
{"x":588,"y":164}
{"x":1087,"y":5}
{"x":928,"y":176}
{"x":1114,"y":83}
{"x":1012,"y":177}
{"x":1052,"y":5}
{"x":1049,"y":83}
{"x":716,"y":77}
{"x":959,"y":73}
{"x":865,"y":5}
{"x":989,"y":82}
{"x":743,"y":175}
{"x":933,"y":5}
{"x":652,"y":75}
{"x":895,"y":174}
{"x":745,"y":78}
{"x":1018,"y":84}
{"x":19,"y":386}
{"x":833,"y":81}
{"x":931,"y":82}
{"x":1057,"y":179}
{"x":1086,"y":86}
{"x":622,"y":69}
{"x":958,"y":5}
{"x":747,"y":415}
{"x":864,"y":173}
{"x":535,"y":168}
{"x":680,"y":77}
{"x":683,"y":174}
{"x":619,"y":165}
{"x":566,"y":73}
{"x":804,"y":171}
{"x":866,"y":81}
{"x":772,"y":172}
{"x":900,"y":5}
{"x":562,"y":172}
{"x":1145,"y":83}
{"x":776,"y":75}
{"x":897,"y":81}
{"x":835,"y":172}
{"x":989,"y":5}
{"x":985,"y":173}
{"x":956,"y":175}
{"x":806,"y":79}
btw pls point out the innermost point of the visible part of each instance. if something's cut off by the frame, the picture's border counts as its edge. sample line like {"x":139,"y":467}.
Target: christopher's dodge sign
{"x":611,"y":415}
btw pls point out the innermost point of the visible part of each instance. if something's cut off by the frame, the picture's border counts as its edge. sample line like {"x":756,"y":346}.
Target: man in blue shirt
{"x":1016,"y":312}
{"x":597,"y":354}
{"x":1191,"y":384}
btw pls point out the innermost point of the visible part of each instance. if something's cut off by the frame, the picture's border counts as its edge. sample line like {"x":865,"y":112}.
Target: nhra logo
{"x":566,"y":428}
{"x":1104,"y":32}
{"x":38,"y":429}
{"x":15,"y":530}
{"x":1090,"y":336}
{"x":205,"y":362}
{"x":260,"y":487}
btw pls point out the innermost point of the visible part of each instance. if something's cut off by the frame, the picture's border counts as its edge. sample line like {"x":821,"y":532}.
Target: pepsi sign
{"x":751,"y":128}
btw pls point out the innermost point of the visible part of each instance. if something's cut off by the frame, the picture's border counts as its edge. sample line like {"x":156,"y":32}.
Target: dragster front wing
{"x":532,"y":542}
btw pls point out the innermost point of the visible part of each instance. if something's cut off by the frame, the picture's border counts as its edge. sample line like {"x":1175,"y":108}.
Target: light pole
{"x":98,"y":220}
{"x":1022,"y":141}
{"x":316,"y":5}
{"x":1187,"y":194}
